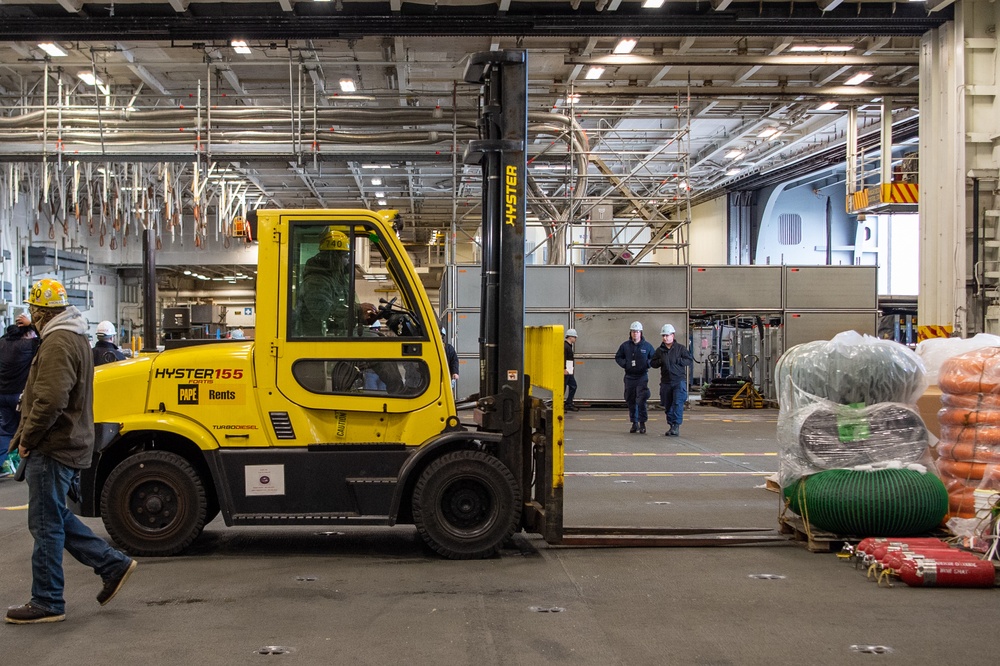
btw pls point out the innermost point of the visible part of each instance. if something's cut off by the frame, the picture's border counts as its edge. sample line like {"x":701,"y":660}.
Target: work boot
{"x":675,"y":431}
{"x":635,"y":427}
{"x":642,"y":428}
{"x":115,"y":583}
{"x":31,"y":614}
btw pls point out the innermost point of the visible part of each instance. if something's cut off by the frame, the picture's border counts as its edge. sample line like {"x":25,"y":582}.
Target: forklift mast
{"x":501,"y":152}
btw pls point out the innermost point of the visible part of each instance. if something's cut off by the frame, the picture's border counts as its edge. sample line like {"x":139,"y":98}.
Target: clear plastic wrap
{"x":852,"y":369}
{"x":935,"y":351}
{"x":968,"y":453}
{"x":847,"y":403}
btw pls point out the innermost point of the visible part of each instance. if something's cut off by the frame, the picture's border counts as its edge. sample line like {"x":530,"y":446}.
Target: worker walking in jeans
{"x":673,"y":359}
{"x":56,"y":440}
{"x":634,"y":355}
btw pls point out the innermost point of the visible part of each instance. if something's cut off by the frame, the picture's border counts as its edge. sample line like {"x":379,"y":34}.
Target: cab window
{"x":344,"y":285}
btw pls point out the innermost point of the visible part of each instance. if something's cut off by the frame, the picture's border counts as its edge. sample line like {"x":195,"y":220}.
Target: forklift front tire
{"x":466,"y":505}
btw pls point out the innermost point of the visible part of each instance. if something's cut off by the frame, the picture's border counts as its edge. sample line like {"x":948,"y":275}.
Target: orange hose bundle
{"x":969,"y":449}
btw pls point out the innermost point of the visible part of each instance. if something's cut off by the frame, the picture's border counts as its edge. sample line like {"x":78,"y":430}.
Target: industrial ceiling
{"x":250,"y":96}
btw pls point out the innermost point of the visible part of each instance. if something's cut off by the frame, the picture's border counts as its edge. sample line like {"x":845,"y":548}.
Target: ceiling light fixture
{"x":89,"y":78}
{"x":594,"y":73}
{"x":382,"y":202}
{"x":858,"y":78}
{"x":625,"y":45}
{"x":347,"y":85}
{"x":767,"y":132}
{"x":827,"y":106}
{"x":376,"y":181}
{"x":734,"y":154}
{"x":732,"y":172}
{"x":52,"y":49}
{"x":240,"y":46}
{"x":652,"y":4}
{"x":380,"y":195}
{"x":816,"y":48}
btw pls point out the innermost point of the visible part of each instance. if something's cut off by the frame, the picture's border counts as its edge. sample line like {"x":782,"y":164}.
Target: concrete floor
{"x":376,"y":596}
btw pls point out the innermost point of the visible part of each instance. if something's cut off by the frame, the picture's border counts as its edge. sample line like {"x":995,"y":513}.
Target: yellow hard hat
{"x":334,"y":239}
{"x":48,"y":293}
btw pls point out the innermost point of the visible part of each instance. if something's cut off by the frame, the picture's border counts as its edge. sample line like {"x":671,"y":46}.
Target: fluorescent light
{"x":347,"y":85}
{"x":732,"y":172}
{"x":826,"y":106}
{"x":625,"y":45}
{"x":89,"y":78}
{"x":655,"y":4}
{"x":382,"y":202}
{"x":767,"y":132}
{"x":240,"y":46}
{"x":52,"y":49}
{"x":816,"y":48}
{"x":734,"y":154}
{"x":376,"y":181}
{"x":380,"y":195}
{"x":375,"y":166}
{"x":858,"y":78}
{"x":594,"y":73}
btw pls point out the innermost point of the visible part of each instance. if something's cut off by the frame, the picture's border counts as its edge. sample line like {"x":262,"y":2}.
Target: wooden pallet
{"x":815,"y":540}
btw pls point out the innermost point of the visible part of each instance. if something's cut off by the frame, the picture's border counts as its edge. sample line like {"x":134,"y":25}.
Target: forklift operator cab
{"x":333,"y":271}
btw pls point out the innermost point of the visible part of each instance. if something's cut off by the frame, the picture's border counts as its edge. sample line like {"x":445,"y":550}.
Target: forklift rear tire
{"x":466,"y":504}
{"x":154,"y":504}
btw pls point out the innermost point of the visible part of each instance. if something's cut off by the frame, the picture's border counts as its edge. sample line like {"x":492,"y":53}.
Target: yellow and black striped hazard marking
{"x":928,"y":332}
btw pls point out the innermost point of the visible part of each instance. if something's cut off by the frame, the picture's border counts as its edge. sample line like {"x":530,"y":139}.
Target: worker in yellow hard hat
{"x":324,"y":295}
{"x":55,"y":439}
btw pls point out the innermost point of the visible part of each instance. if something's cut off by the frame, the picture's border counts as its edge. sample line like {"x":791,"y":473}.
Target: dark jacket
{"x":672,"y":362}
{"x":57,"y":409}
{"x":106,"y":352}
{"x":16,"y":352}
{"x":640,"y":353}
{"x":568,"y":351}
{"x":452,"y":357}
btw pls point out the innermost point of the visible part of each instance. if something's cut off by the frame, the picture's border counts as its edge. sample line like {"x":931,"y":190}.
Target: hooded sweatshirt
{"x":57,"y":409}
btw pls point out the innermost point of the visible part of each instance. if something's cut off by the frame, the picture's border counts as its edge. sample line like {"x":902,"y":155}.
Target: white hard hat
{"x":376,"y":324}
{"x":443,"y":331}
{"x":106,"y":328}
{"x":570,"y":332}
{"x":667,"y":329}
{"x":636,"y":326}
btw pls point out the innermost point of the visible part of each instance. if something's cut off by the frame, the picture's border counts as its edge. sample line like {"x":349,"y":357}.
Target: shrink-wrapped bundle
{"x":969,"y":449}
{"x":850,"y":437}
{"x":851,"y":369}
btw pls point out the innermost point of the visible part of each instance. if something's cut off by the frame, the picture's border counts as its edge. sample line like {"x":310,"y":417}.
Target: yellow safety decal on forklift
{"x":510,"y":195}
{"x":265,"y":479}
{"x":512,"y":375}
{"x":341,"y":418}
{"x":217,"y":394}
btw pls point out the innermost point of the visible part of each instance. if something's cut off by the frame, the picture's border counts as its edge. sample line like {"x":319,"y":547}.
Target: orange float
{"x":982,"y":435}
{"x":971,"y":400}
{"x":968,"y":452}
{"x":977,"y":371}
{"x":969,"y":416}
{"x":960,"y":469}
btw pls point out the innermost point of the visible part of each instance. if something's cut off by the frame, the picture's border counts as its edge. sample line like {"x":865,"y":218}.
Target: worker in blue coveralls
{"x":673,"y":359}
{"x":634,"y":356}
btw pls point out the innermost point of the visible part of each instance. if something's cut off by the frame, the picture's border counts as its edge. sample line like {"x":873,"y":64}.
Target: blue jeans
{"x":569,"y":389}
{"x":9,"y":418}
{"x":54,"y":527}
{"x":636,"y":395}
{"x":673,"y":397}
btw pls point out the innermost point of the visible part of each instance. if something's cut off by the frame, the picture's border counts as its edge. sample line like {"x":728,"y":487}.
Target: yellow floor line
{"x":14,"y":508}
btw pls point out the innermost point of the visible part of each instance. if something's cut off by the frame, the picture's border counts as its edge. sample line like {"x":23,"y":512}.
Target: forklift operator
{"x":325,"y":288}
